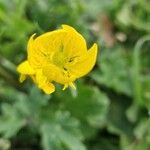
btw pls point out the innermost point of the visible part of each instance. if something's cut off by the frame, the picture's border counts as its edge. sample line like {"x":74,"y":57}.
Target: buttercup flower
{"x":59,"y":56}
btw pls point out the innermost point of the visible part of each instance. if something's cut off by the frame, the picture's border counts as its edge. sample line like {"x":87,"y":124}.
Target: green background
{"x":110,"y":110}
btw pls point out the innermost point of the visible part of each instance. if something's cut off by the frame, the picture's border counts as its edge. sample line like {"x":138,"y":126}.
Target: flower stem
{"x":137,"y":68}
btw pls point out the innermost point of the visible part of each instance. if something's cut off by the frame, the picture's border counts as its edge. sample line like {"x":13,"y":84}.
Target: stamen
{"x":65,"y":68}
{"x":72,"y":59}
{"x":65,"y":86}
{"x":72,"y":85}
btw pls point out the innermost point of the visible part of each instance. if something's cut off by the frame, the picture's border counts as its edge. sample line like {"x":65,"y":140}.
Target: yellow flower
{"x":59,"y":56}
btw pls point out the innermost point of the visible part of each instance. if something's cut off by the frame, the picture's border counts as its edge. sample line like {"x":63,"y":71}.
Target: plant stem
{"x":137,"y":68}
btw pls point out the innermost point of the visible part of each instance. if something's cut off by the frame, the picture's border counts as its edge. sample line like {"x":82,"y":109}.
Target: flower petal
{"x":43,"y":83}
{"x":75,"y":44}
{"x":57,"y":74}
{"x":25,"y":68}
{"x":30,"y":44}
{"x":48,"y":88}
{"x":68,"y":28}
{"x":67,"y":40}
{"x":36,"y":57}
{"x":86,"y":64}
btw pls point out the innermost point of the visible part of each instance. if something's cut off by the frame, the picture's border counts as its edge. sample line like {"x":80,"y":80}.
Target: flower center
{"x":59,"y":59}
{"x":62,"y":60}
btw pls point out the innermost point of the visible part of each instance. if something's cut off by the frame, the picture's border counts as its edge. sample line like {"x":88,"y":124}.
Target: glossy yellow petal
{"x":40,"y":79}
{"x":74,"y":45}
{"x":68,"y":41}
{"x":49,"y":42}
{"x":68,"y":28}
{"x":58,"y":75}
{"x":48,"y":88}
{"x":36,"y":57}
{"x":41,"y":49}
{"x":86,"y":63}
{"x":43,"y":83}
{"x":30,"y":44}
{"x":25,"y":68}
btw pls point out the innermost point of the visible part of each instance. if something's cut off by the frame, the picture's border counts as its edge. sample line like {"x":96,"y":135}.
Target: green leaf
{"x":142,"y":131}
{"x":24,"y":110}
{"x":113,"y":71}
{"x":105,"y":144}
{"x":90,"y":106}
{"x":61,"y":131}
{"x":10,"y":121}
{"x":139,"y":142}
{"x":118,"y":122}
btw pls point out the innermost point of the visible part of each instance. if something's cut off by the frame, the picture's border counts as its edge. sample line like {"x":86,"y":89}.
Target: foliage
{"x":110,"y":109}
